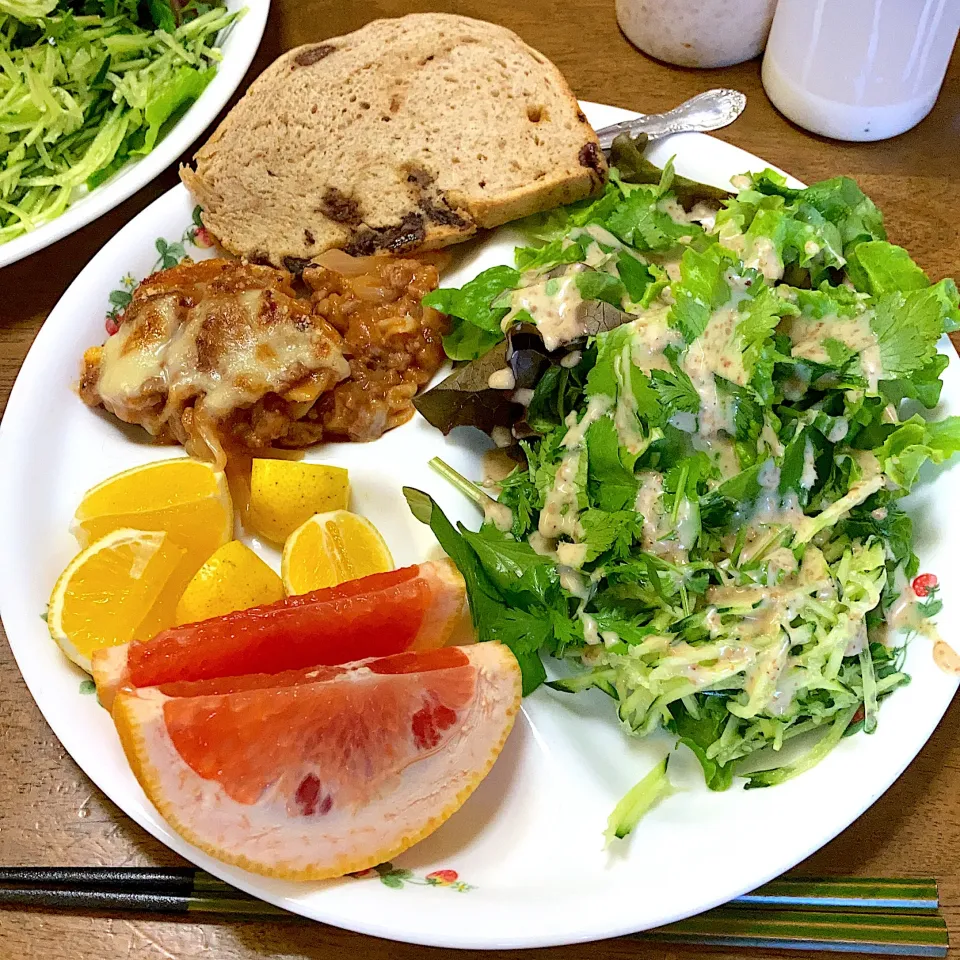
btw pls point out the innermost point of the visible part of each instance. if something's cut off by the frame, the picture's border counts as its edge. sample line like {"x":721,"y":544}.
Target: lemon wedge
{"x":286,"y":493}
{"x":234,"y":578}
{"x":331,"y":548}
{"x":114,"y":591}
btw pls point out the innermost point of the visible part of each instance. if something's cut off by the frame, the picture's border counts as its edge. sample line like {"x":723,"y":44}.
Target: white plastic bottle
{"x":859,"y":69}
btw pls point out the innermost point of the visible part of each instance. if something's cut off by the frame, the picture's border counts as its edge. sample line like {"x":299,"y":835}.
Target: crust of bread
{"x":483,"y":130}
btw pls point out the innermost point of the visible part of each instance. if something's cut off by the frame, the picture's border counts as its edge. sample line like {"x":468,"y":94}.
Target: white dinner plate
{"x":527,"y":847}
{"x":239,"y":45}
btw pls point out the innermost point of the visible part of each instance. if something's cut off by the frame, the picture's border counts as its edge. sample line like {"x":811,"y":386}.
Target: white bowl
{"x":239,"y":46}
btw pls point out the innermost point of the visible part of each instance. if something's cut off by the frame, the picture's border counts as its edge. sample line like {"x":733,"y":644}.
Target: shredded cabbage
{"x":87,"y":85}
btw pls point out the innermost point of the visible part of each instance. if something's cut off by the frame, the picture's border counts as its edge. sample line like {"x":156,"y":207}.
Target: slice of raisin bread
{"x":408,"y":134}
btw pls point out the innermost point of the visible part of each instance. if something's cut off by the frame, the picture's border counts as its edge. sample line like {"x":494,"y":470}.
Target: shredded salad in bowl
{"x":88,"y":85}
{"x":717,"y":401}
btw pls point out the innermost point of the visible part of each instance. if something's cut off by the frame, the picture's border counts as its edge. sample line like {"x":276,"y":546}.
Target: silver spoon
{"x":706,"y":111}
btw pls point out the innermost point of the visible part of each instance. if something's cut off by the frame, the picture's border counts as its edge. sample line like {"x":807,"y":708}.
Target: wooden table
{"x":51,"y":814}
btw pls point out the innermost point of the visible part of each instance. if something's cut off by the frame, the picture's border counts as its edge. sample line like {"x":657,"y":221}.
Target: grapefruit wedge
{"x":415,"y":608}
{"x":315,"y":773}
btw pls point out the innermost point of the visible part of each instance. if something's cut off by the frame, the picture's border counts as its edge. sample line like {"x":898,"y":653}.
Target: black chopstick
{"x":168,"y":880}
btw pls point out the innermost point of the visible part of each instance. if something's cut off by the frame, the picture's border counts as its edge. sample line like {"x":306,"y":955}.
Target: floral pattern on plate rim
{"x":397,"y":877}
{"x":170,"y":254}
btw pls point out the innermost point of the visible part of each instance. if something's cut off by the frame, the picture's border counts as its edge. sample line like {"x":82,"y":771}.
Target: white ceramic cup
{"x":697,"y":33}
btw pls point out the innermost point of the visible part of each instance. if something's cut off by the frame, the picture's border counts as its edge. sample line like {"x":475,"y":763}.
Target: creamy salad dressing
{"x":763,"y":256}
{"x":591,"y":633}
{"x":560,"y":513}
{"x":721,"y":451}
{"x":809,"y":475}
{"x":807,"y":337}
{"x":556,"y":313}
{"x":499,"y":514}
{"x":650,"y":337}
{"x":904,"y":615}
{"x":573,"y":582}
{"x":502,"y":379}
{"x":576,"y":434}
{"x":625,"y":418}
{"x":572,"y":555}
{"x":659,"y":536}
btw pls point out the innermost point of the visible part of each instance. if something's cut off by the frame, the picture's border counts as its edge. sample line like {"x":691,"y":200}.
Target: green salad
{"x":87,"y":85}
{"x":717,"y":403}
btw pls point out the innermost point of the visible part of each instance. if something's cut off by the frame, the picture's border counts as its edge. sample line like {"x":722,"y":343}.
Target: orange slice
{"x":109,"y":591}
{"x":185,"y":498}
{"x":255,"y":772}
{"x":331,"y":548}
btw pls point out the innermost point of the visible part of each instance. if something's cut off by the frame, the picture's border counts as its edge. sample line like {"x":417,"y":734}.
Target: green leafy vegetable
{"x":908,"y":326}
{"x":877,"y":267}
{"x":612,"y":484}
{"x":915,"y":442}
{"x":476,"y":323}
{"x":707,"y":527}
{"x":81,"y":95}
{"x":700,"y":290}
{"x":549,"y":255}
{"x":594,"y":285}
{"x":615,"y":531}
{"x":699,"y":733}
{"x":639,"y":221}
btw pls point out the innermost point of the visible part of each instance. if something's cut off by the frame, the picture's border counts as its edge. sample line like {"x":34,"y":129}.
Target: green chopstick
{"x":905,"y":935}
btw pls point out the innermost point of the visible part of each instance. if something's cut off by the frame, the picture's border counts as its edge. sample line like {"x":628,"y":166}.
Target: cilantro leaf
{"x":612,"y":486}
{"x":639,"y":222}
{"x":699,"y":291}
{"x":908,"y":326}
{"x":683,"y":479}
{"x":759,"y":316}
{"x":718,"y":507}
{"x":162,"y":15}
{"x":747,"y":422}
{"x":676,"y":391}
{"x":635,"y":275}
{"x":615,"y":530}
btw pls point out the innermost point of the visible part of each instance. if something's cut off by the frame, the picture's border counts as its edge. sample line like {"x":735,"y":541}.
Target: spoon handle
{"x":706,"y":111}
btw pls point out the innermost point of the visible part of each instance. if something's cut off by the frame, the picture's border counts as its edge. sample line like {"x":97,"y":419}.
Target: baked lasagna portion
{"x":225,"y":357}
